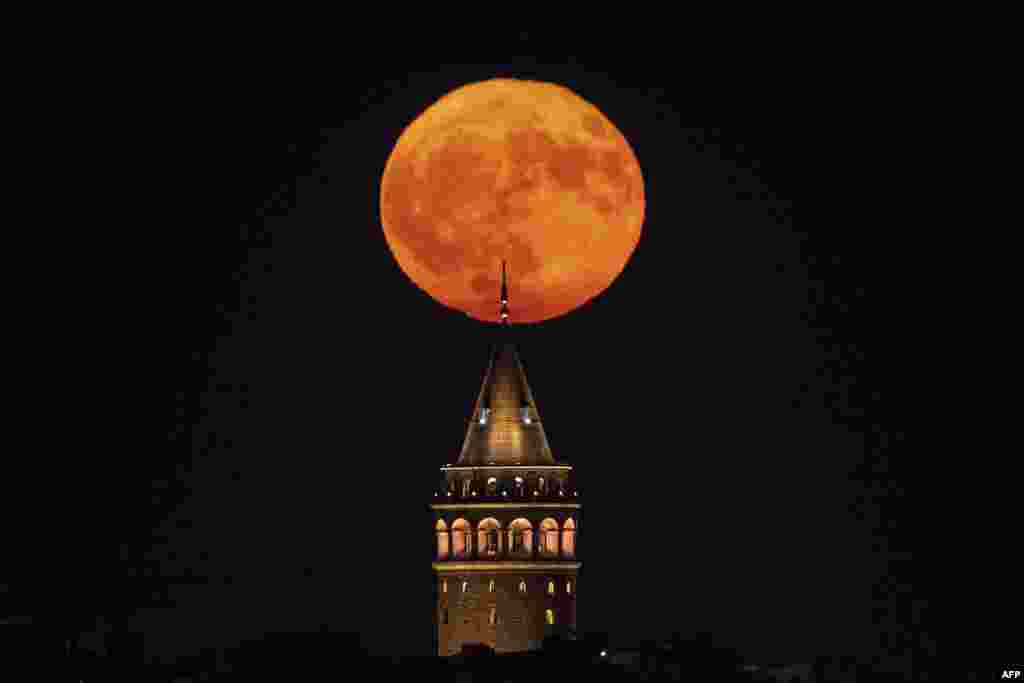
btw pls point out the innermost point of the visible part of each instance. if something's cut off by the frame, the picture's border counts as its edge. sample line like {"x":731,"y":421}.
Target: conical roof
{"x":505,"y":428}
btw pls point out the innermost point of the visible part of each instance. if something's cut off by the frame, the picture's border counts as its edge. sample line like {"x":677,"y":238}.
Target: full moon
{"x":511,"y":170}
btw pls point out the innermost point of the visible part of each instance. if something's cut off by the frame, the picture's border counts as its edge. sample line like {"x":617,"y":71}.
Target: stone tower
{"x":506,"y":520}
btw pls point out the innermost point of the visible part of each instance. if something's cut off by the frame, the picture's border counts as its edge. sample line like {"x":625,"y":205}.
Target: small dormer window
{"x":484,"y":412}
{"x":525,"y":411}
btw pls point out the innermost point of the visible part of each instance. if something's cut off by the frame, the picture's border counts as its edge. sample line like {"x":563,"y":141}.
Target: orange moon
{"x":522,"y":171}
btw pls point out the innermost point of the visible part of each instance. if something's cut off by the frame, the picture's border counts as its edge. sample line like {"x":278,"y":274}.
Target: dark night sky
{"x":721,"y":402}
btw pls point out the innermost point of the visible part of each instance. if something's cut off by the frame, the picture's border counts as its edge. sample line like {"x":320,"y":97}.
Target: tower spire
{"x":504,"y":296}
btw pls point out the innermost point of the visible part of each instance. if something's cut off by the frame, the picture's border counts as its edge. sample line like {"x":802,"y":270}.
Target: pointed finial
{"x":504,"y":296}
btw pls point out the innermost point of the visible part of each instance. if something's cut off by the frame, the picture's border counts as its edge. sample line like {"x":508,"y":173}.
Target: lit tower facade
{"x":506,"y":522}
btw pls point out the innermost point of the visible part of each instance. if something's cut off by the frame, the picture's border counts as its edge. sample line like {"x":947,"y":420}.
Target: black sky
{"x":727,"y":403}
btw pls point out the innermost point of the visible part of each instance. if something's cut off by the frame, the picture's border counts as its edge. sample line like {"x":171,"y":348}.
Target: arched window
{"x":442,"y":540}
{"x":460,"y":538}
{"x":489,"y":537}
{"x":522,"y":586}
{"x":551,"y":587}
{"x":518,"y":487}
{"x":569,"y":538}
{"x":520,"y":537}
{"x":541,"y":486}
{"x":492,"y":486}
{"x":549,"y":615}
{"x":549,"y":537}
{"x":465,"y":586}
{"x":490,"y":588}
{"x":568,"y":586}
{"x":444,"y":586}
{"x":494,"y":615}
{"x":465,"y":488}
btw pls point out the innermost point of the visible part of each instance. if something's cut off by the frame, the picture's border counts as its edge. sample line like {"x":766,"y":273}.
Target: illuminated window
{"x":444,"y":586}
{"x":551,"y":587}
{"x":568,"y":586}
{"x":465,"y":487}
{"x":460,"y":538}
{"x":490,"y":588}
{"x":549,"y":536}
{"x":442,"y":540}
{"x":494,"y":615}
{"x":488,"y":540}
{"x":522,"y":586}
{"x":492,"y":486}
{"x":540,"y":485}
{"x":520,"y":536}
{"x":569,"y":538}
{"x":550,"y":615}
{"x":465,"y":586}
{"x":519,"y":486}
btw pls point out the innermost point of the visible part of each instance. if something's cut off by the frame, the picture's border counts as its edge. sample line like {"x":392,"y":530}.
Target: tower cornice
{"x":505,"y":506}
{"x":495,"y":466}
{"x":506,"y":566}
